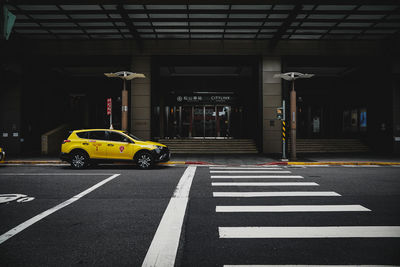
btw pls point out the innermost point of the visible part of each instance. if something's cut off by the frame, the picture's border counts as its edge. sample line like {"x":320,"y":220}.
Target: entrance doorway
{"x":203,"y":121}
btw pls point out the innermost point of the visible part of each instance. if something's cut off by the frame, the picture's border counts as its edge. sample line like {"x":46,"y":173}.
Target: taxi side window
{"x":84,"y":135}
{"x":113,"y":136}
{"x":98,"y":135}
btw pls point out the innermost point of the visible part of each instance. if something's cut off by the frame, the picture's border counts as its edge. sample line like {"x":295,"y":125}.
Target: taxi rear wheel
{"x":144,"y":160}
{"x":79,"y":160}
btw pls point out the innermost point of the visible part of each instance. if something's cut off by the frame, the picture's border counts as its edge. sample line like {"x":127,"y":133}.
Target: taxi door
{"x":119,"y":146}
{"x":97,"y":144}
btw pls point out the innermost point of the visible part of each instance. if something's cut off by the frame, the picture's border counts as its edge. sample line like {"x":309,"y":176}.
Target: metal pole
{"x":284,"y":120}
{"x":293,"y":122}
{"x":124,"y":115}
{"x":111,"y":126}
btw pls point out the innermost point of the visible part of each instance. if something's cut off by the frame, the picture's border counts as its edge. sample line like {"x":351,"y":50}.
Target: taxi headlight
{"x":158,"y":149}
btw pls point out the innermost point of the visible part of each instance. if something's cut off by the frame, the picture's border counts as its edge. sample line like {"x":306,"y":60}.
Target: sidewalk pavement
{"x":245,"y":159}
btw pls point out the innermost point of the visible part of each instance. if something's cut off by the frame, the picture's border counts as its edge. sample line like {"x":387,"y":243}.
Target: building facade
{"x":204,"y":79}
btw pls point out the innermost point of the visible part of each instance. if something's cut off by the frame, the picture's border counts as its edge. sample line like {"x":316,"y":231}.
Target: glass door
{"x":186,"y":121}
{"x":198,"y":121}
{"x":222,"y":123}
{"x":210,"y":121}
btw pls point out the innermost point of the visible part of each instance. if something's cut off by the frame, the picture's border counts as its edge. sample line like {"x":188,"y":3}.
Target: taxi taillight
{"x":66,"y":141}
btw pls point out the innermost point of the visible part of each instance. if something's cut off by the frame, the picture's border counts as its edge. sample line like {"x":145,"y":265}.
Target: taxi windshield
{"x":132,"y":136}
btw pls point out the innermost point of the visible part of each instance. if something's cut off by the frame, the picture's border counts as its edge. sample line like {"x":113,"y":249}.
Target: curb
{"x":338,"y":163}
{"x":293,"y":163}
{"x":33,"y":162}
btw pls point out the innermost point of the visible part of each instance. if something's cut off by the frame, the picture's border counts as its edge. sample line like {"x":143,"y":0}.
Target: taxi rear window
{"x":84,"y":135}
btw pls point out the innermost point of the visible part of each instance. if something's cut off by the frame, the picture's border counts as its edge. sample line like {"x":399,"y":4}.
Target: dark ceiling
{"x":280,"y":20}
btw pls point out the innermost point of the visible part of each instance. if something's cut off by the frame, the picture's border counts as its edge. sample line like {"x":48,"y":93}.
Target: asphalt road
{"x":109,"y":216}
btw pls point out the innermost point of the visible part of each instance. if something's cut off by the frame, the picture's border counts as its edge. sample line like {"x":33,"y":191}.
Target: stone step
{"x":329,"y":145}
{"x":210,"y":146}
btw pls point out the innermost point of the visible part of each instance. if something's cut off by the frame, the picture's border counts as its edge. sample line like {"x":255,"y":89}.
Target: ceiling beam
{"x":284,"y":27}
{"x":205,"y":11}
{"x":130,"y":20}
{"x":204,"y":2}
{"x":130,"y":25}
{"x":303,"y":28}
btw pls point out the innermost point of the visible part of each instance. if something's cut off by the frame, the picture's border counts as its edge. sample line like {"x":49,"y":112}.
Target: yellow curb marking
{"x":343,"y":163}
{"x":173,"y":162}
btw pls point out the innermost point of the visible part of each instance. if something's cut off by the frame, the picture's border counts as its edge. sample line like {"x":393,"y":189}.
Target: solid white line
{"x":4,"y":237}
{"x":370,"y":166}
{"x":316,"y":165}
{"x":266,"y":184}
{"x":250,"y":172}
{"x":243,"y":168}
{"x":311,"y":232}
{"x":163,"y":248}
{"x":256,"y":176}
{"x":294,"y":208}
{"x":276,"y":194}
{"x":295,"y":265}
{"x":51,"y":174}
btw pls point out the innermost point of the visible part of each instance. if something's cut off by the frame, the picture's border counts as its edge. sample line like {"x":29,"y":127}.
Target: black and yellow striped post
{"x":283,"y":139}
{"x":283,"y":131}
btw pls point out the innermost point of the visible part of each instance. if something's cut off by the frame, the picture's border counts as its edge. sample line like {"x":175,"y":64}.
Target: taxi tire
{"x":144,"y":160}
{"x":79,"y":160}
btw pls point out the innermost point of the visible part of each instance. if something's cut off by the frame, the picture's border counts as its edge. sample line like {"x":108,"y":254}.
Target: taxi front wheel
{"x":144,"y":160}
{"x":79,"y":160}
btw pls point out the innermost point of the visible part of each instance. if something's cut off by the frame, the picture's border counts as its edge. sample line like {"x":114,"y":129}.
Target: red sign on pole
{"x":109,"y":106}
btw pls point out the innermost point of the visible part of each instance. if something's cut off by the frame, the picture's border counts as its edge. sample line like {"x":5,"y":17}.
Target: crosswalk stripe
{"x":311,"y":232}
{"x":300,"y":265}
{"x":163,"y":249}
{"x":292,"y":208}
{"x":250,"y":172}
{"x":276,"y":194}
{"x":257,"y":176}
{"x":243,"y":168}
{"x":265,"y":184}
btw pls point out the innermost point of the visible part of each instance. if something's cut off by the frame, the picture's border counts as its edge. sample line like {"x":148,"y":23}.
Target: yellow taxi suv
{"x":2,"y":155}
{"x":85,"y":147}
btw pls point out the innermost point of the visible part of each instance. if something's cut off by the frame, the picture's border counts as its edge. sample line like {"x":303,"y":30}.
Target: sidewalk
{"x":246,"y":159}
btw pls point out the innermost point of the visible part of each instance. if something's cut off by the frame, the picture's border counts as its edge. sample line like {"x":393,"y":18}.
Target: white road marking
{"x":4,"y":237}
{"x":311,"y":232}
{"x":163,"y":248}
{"x":296,"y":166}
{"x":276,"y":194}
{"x":316,"y":165}
{"x":370,"y":166}
{"x":50,"y":174}
{"x":295,"y":265}
{"x":250,"y":172}
{"x":243,"y":168}
{"x":256,"y":176}
{"x":292,"y":208}
{"x":265,"y":184}
{"x":350,"y":166}
{"x":5,"y":198}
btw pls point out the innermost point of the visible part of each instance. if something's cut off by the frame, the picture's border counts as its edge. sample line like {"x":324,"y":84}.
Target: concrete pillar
{"x":140,"y":108}
{"x":396,"y":107}
{"x":272,"y":99}
{"x":10,"y":117}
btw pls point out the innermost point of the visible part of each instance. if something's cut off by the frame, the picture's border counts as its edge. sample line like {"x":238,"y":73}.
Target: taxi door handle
{"x":85,"y":143}
{"x":110,"y":145}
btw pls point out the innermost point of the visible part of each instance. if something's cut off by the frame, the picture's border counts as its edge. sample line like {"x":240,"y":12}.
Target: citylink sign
{"x":205,"y":99}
